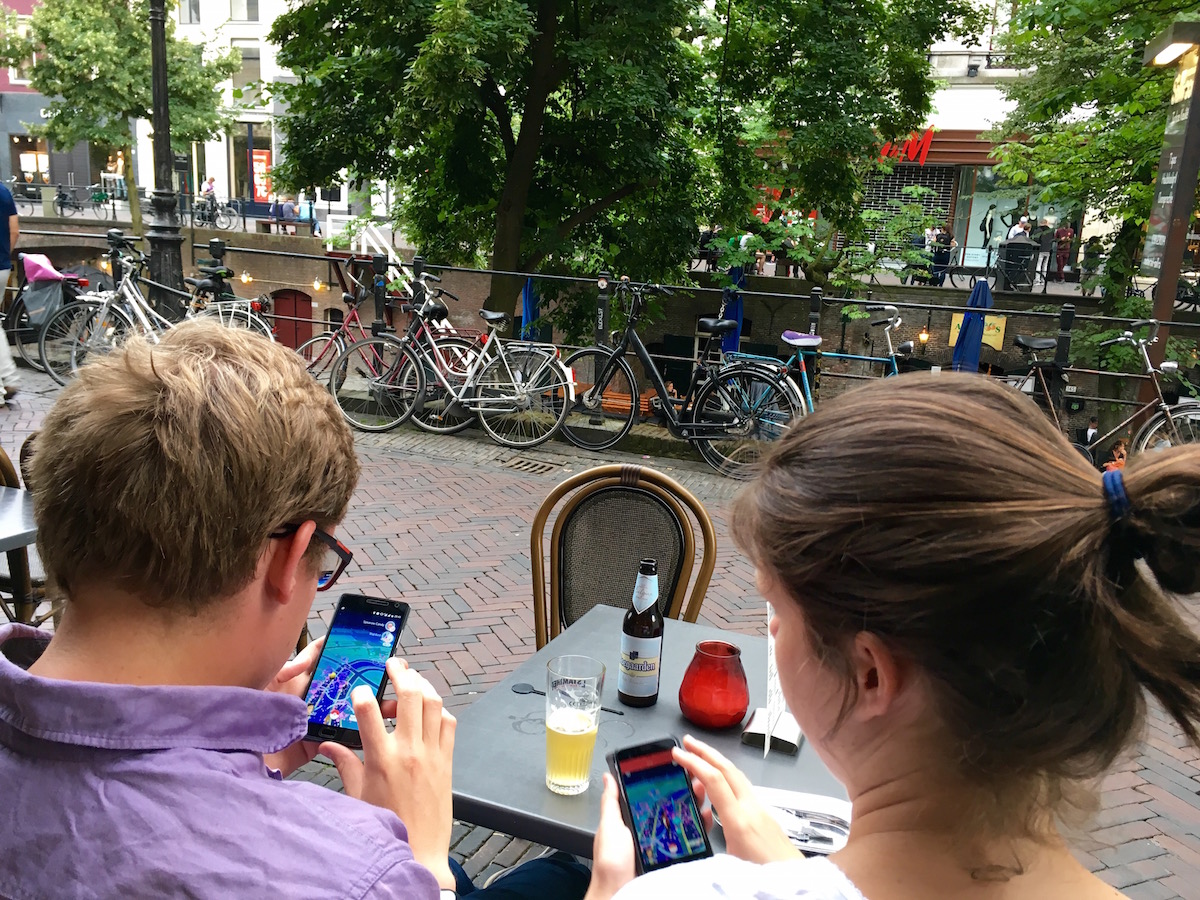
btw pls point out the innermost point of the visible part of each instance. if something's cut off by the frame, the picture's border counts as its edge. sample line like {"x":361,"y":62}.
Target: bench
{"x":271,"y":225}
{"x":618,"y":404}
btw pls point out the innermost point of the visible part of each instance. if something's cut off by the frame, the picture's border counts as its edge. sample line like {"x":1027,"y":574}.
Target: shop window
{"x":251,"y":70}
{"x":243,"y":10}
{"x":30,"y":160}
{"x":189,"y":12}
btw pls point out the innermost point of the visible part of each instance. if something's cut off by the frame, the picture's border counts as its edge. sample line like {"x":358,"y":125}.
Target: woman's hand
{"x":751,"y":833}
{"x":293,"y":679}
{"x":407,"y":770}
{"x":612,"y":850}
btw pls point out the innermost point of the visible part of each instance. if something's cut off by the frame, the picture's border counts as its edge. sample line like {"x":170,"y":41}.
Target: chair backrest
{"x":611,"y":517}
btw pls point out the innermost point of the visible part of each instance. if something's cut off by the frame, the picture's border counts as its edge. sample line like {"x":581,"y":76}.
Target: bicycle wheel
{"x":66,"y":207}
{"x":223,"y":219}
{"x":319,"y":353}
{"x":755,"y":406}
{"x":24,"y":335}
{"x":376,"y":383}
{"x":601,"y":414}
{"x":100,"y":209}
{"x":78,"y":332}
{"x":441,"y":412}
{"x":521,"y":397}
{"x":237,"y":315}
{"x":1158,"y":433}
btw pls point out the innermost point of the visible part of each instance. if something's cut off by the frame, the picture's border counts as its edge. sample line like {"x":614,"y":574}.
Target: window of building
{"x":30,"y":161}
{"x":23,"y":73}
{"x":251,"y":70}
{"x":243,"y":10}
{"x":189,"y":12}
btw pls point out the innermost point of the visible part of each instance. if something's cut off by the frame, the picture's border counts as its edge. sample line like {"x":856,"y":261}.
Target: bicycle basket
{"x":42,"y":300}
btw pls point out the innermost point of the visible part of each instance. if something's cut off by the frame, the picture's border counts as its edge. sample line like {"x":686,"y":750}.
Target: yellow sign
{"x":993,"y":330}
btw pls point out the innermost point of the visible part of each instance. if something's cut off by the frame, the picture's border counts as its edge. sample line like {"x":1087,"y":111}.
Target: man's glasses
{"x":334,"y":558}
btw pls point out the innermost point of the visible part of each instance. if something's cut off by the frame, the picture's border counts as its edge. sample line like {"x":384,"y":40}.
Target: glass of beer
{"x":573,"y":688}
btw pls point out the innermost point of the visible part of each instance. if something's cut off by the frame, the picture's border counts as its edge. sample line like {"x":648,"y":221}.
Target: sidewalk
{"x":443,"y":522}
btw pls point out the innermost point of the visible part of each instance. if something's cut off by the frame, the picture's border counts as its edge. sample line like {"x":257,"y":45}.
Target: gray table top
{"x":500,"y":745}
{"x":17,"y":528}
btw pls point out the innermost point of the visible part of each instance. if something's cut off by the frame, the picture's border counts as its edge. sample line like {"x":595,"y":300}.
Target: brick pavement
{"x":444,"y":523}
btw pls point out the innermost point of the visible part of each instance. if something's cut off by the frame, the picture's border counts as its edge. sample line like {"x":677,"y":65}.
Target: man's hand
{"x":292,"y":679}
{"x":612,"y":850}
{"x":751,"y":833}
{"x":406,"y":771}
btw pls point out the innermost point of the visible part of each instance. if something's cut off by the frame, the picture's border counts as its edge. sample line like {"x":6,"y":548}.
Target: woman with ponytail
{"x":968,"y":618}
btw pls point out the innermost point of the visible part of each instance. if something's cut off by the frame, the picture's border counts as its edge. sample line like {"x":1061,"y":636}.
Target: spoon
{"x":524,"y":687}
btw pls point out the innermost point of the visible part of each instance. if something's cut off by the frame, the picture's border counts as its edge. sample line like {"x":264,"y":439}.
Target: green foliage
{"x":93,"y":63}
{"x":1092,"y":114}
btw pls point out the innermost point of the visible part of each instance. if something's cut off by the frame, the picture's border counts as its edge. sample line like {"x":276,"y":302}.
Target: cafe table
{"x":500,"y":744}
{"x":17,"y":530}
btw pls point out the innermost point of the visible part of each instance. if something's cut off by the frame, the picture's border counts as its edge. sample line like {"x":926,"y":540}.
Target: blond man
{"x":186,"y":495}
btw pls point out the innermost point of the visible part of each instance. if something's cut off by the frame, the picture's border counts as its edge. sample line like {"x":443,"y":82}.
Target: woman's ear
{"x":879,"y":676}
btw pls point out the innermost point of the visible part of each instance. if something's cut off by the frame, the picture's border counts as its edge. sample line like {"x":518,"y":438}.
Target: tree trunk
{"x":135,"y":202}
{"x":510,"y":216}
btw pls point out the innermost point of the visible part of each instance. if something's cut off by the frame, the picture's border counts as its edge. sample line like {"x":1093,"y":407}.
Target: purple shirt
{"x":121,"y":791}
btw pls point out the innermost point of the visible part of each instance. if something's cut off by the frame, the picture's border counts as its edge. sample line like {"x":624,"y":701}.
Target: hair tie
{"x":1114,"y":493}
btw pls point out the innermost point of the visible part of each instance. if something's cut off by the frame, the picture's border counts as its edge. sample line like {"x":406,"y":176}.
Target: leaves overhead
{"x":93,"y":63}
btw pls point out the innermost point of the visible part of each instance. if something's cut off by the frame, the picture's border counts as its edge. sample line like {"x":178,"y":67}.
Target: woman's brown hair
{"x":946,"y":515}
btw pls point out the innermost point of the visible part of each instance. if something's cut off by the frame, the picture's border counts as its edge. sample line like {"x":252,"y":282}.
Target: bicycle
{"x":65,"y":202}
{"x":216,"y":215}
{"x":42,"y":291}
{"x":1171,"y":425}
{"x":808,"y":346}
{"x":321,"y":350}
{"x":20,"y":191}
{"x":213,"y":296}
{"x":100,"y":202}
{"x":729,"y":413}
{"x":520,"y":391}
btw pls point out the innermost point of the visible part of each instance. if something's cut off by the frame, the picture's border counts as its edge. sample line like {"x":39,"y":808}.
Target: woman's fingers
{"x":738,"y":782}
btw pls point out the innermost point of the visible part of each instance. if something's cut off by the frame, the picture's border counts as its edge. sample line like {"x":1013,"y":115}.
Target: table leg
{"x":22,"y":589}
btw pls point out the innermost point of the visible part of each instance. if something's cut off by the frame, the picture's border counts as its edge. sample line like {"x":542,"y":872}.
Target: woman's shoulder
{"x":728,"y":877}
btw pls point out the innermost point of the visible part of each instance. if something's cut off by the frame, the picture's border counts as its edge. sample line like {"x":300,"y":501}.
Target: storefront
{"x":956,"y":165}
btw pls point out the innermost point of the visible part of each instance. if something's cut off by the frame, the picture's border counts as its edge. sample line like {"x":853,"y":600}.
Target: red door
{"x":293,"y":317}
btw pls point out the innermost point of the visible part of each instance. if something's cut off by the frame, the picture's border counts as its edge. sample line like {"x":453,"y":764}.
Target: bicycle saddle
{"x":216,"y":271}
{"x":434,"y":311}
{"x":1035,"y":343}
{"x":716,"y":326}
{"x":491,"y":317}
{"x":796,"y":339}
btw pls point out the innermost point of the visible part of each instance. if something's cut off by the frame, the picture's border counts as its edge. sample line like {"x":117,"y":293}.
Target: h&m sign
{"x":914,"y":148}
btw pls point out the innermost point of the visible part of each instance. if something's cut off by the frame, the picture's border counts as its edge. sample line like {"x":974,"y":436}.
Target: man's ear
{"x":879,"y":676}
{"x":285,"y":562}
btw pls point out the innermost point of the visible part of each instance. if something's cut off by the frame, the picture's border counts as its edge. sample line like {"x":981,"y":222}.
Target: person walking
{"x":1092,"y":252}
{"x":8,"y":242}
{"x":1062,"y":241}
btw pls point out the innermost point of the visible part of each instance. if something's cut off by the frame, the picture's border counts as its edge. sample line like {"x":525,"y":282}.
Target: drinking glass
{"x":573,"y":688}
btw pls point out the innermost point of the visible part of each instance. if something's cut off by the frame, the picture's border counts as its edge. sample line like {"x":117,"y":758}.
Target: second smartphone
{"x":659,"y":806}
{"x":364,"y":634}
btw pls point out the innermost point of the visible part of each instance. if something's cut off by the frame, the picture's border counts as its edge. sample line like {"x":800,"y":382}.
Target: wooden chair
{"x":25,"y":584}
{"x":611,"y":517}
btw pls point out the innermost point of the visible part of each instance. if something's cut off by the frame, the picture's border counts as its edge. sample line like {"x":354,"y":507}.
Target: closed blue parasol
{"x":970,"y":336}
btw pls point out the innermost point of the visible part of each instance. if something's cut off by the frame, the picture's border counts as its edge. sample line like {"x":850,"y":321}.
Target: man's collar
{"x":136,"y":717}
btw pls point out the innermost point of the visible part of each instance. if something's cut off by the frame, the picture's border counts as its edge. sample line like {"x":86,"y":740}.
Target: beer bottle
{"x":641,"y":641}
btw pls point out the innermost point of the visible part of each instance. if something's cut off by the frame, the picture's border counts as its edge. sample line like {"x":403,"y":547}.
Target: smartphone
{"x":364,"y":634}
{"x":659,"y":805}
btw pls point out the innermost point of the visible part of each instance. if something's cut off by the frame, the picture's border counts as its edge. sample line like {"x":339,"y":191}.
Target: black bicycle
{"x":729,"y":413}
{"x":65,"y":201}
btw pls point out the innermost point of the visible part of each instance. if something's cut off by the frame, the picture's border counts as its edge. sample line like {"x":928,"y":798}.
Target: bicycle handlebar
{"x":1109,"y":343}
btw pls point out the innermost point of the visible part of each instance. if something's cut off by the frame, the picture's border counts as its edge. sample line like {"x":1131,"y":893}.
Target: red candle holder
{"x":714,"y":693}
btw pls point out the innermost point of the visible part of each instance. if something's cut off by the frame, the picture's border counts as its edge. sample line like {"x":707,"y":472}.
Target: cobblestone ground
{"x":443,"y":522}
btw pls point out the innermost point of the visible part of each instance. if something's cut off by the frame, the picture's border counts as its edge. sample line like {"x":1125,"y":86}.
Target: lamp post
{"x":162,"y":233}
{"x":1175,"y":190}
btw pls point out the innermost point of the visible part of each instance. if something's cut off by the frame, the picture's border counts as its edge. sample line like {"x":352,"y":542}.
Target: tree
{"x":93,"y":64}
{"x":1089,"y":117}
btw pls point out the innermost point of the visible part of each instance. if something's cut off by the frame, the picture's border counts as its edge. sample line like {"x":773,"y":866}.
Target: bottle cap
{"x":648,"y":567}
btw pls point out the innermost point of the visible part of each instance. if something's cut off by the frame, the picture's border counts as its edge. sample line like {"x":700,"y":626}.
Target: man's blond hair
{"x":163,"y":467}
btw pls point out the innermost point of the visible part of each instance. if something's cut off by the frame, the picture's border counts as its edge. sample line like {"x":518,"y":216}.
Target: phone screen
{"x":666,"y":823}
{"x":356,"y":649}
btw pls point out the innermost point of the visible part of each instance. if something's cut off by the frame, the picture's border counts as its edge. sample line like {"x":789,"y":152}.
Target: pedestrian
{"x":1062,"y":252}
{"x":8,"y":243}
{"x":1120,"y":451}
{"x":210,"y":188}
{"x":1043,"y":236}
{"x":1018,"y":228}
{"x":943,"y":249}
{"x":969,"y":695}
{"x":145,"y":746}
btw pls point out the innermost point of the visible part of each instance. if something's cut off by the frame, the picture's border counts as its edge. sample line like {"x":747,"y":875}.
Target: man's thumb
{"x":349,"y":766}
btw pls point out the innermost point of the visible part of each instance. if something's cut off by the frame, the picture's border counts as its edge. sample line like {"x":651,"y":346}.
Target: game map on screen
{"x":358,"y":646}
{"x":666,"y":823}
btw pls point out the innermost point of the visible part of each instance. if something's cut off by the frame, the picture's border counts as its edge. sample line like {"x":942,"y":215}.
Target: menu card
{"x":773,"y":727}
